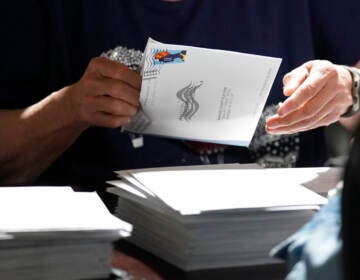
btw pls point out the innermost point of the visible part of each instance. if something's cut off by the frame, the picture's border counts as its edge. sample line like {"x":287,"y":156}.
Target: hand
{"x":319,"y":93}
{"x":107,"y":94}
{"x":32,"y":138}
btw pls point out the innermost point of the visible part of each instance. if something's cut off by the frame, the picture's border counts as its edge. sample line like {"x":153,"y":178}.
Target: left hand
{"x":319,"y":93}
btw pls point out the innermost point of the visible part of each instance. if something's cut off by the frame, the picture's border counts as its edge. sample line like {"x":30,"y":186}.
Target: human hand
{"x":107,"y":94}
{"x":319,"y":93}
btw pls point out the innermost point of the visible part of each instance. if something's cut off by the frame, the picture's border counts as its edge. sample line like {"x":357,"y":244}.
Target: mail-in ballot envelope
{"x":202,"y":94}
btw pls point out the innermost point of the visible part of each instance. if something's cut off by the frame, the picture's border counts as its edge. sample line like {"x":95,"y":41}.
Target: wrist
{"x":355,"y":91}
{"x":51,"y":115}
{"x":65,"y":110}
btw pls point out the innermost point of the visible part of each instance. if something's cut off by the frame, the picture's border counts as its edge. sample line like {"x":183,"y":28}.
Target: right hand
{"x":318,"y":91}
{"x":107,"y":94}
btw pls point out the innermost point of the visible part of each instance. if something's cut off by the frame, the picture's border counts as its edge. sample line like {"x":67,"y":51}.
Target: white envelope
{"x":202,"y":94}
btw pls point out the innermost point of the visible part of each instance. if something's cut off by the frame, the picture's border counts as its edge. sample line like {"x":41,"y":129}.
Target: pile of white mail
{"x":204,"y":217}
{"x":55,"y":233}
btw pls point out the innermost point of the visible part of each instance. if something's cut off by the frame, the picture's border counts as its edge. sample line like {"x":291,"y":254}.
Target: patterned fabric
{"x":272,"y":150}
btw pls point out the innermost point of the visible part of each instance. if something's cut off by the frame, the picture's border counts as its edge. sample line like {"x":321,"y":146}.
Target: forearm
{"x":34,"y":137}
{"x":107,"y":95}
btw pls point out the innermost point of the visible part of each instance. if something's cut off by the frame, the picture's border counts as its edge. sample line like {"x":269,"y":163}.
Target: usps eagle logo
{"x":189,"y":105}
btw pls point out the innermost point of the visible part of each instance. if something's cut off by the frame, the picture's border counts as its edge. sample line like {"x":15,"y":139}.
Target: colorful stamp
{"x":169,"y":56}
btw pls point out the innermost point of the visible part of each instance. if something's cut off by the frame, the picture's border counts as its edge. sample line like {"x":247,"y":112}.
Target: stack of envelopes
{"x":55,"y":233}
{"x":214,"y":216}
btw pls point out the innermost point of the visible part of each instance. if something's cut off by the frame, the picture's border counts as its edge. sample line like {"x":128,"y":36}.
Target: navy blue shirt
{"x":47,"y":45}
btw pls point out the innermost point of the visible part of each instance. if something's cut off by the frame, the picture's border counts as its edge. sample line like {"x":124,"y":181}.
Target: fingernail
{"x":282,"y":112}
{"x":272,"y":125}
{"x":273,"y":131}
{"x":287,"y":90}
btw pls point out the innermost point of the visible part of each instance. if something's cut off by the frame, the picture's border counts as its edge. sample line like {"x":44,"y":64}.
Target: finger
{"x":115,"y":70}
{"x":312,"y":108}
{"x":109,"y":120}
{"x":294,"y":79}
{"x":307,"y":90}
{"x":325,"y":121}
{"x":113,"y":106}
{"x":307,"y":123}
{"x":115,"y":88}
{"x":119,"y":90}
